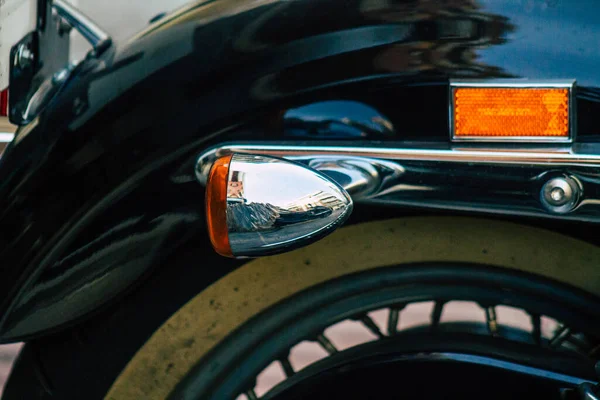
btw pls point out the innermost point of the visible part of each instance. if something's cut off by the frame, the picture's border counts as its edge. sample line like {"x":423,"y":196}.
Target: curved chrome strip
{"x":527,"y":182}
{"x":505,"y":365}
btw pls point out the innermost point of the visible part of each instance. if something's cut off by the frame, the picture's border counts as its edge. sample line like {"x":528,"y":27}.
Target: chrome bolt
{"x":24,"y":57}
{"x":60,"y":76}
{"x":588,"y":391}
{"x":64,"y":28}
{"x":560,"y":195}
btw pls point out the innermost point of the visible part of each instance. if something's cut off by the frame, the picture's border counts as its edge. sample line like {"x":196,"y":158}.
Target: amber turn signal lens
{"x":511,"y":112}
{"x":216,"y":206}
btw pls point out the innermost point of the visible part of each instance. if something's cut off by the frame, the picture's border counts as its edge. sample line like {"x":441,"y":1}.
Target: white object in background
{"x":6,"y":137}
{"x":8,"y":353}
{"x":17,"y":19}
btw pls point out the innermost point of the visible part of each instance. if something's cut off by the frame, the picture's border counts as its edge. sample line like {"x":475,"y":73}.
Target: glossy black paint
{"x":336,"y":119}
{"x":100,"y":188}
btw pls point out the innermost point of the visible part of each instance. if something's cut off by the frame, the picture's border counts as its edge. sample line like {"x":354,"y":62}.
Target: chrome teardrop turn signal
{"x":258,"y":205}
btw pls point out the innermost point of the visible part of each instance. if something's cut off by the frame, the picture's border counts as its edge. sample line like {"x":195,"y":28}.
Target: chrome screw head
{"x":560,"y":195}
{"x":24,"y":57}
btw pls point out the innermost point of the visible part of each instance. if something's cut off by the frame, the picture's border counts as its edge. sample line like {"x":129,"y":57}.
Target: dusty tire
{"x":213,"y":314}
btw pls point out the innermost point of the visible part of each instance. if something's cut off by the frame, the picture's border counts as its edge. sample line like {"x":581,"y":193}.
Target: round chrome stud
{"x":560,"y":195}
{"x":24,"y":57}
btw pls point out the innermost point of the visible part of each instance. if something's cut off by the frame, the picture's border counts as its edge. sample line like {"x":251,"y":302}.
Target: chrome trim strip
{"x":481,"y":181}
{"x":96,"y":36}
{"x":501,"y":364}
{"x":488,"y":156}
{"x":513,"y":83}
{"x":519,"y":84}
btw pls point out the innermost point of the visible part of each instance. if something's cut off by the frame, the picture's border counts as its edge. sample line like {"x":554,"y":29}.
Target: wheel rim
{"x":244,"y":356}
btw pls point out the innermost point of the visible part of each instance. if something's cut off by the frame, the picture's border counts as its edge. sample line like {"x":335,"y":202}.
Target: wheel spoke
{"x":560,"y":336}
{"x":580,"y":343}
{"x":251,"y":394}
{"x":287,"y":366}
{"x":536,"y":332}
{"x":393,"y":318}
{"x":326,"y":344}
{"x":491,"y":320}
{"x":371,"y":326}
{"x":436,"y":314}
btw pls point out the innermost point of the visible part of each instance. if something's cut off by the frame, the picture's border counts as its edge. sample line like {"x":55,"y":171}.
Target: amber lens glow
{"x":511,"y":112}
{"x":216,"y":206}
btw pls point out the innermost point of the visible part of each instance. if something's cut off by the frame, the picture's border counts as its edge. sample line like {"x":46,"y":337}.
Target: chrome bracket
{"x":40,"y":61}
{"x":96,"y":36}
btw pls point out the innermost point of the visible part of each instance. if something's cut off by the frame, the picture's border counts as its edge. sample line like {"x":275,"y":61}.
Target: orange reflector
{"x":493,"y":112}
{"x":216,"y":206}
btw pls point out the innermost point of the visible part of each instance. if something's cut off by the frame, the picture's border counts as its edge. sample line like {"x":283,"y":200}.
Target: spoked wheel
{"x":473,"y":354}
{"x":440,"y":308}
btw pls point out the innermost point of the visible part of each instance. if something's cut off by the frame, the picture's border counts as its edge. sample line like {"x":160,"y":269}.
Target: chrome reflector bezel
{"x":517,"y":84}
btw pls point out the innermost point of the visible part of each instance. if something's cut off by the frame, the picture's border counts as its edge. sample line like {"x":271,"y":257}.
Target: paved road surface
{"x":7,"y":355}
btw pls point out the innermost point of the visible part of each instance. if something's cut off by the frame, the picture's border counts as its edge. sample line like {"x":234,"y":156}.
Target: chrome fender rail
{"x":550,"y":183}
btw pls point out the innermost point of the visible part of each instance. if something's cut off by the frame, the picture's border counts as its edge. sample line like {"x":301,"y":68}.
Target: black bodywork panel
{"x":100,"y":188}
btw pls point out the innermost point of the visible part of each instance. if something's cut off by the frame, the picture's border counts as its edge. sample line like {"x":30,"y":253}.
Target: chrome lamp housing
{"x":271,"y":205}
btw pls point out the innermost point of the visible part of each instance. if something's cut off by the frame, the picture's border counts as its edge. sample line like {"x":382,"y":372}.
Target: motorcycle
{"x":180,"y":213}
